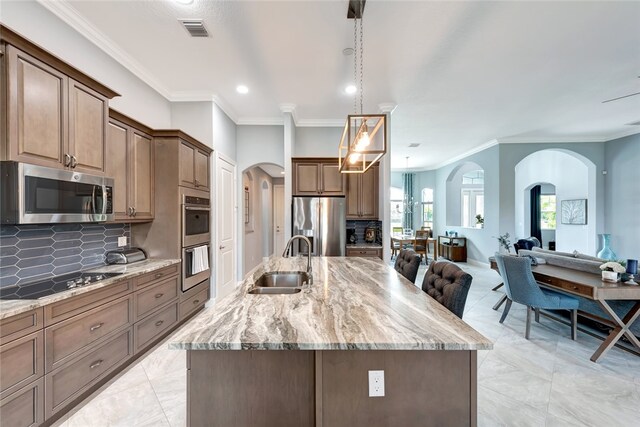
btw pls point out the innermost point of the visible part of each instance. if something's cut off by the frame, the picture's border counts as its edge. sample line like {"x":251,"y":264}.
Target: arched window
{"x":427,"y":207}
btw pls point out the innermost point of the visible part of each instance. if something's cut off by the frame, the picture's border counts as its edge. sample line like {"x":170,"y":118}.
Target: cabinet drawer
{"x":363,"y":252}
{"x":150,"y":278}
{"x":75,"y":377}
{"x":153,"y":326}
{"x":65,"y":309}
{"x":574,"y":288}
{"x":66,"y":338}
{"x":194,"y":302}
{"x":21,"y":362}
{"x":155,"y":296}
{"x":15,"y":327}
{"x":25,"y":407}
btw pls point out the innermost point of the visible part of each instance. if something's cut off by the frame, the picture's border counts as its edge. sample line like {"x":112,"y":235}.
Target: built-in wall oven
{"x":196,"y":237}
{"x":31,"y":194}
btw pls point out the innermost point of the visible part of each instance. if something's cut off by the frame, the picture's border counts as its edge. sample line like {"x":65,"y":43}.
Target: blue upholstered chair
{"x":521,"y":287}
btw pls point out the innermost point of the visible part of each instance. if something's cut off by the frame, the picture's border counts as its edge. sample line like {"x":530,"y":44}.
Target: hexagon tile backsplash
{"x":33,"y":252}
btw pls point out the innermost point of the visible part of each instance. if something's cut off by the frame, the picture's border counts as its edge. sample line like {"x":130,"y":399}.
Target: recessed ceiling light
{"x":351,"y":89}
{"x":242,"y":89}
{"x":184,"y":1}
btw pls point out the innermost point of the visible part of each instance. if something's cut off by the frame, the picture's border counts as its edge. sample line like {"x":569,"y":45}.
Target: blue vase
{"x":606,"y":252}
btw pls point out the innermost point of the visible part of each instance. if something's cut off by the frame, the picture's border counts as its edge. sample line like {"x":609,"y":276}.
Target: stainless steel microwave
{"x":32,"y":194}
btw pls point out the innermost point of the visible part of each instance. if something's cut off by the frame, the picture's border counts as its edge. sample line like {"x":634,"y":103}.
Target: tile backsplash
{"x":361,"y":225}
{"x":33,"y":252}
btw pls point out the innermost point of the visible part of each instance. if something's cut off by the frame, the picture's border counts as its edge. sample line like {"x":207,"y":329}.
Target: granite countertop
{"x":10,"y":308}
{"x":355,"y":304}
{"x":364,"y":245}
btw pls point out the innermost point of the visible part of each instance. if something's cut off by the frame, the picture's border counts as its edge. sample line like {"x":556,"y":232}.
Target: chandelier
{"x":364,"y":139}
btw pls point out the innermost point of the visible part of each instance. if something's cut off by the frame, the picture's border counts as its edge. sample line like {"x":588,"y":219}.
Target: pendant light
{"x":364,"y":139}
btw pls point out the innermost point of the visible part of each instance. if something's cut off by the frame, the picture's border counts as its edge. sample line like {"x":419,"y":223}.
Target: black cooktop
{"x":51,"y":286}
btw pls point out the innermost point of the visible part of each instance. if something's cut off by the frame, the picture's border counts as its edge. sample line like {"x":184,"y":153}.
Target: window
{"x":548,"y":211}
{"x":427,"y":207}
{"x":472,"y":205}
{"x":397,"y":208}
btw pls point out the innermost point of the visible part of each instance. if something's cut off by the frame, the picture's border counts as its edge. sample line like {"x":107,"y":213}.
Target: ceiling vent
{"x":195,"y":27}
{"x":414,"y":145}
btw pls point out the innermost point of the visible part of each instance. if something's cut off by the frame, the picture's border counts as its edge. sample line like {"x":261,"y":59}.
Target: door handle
{"x":221,"y":247}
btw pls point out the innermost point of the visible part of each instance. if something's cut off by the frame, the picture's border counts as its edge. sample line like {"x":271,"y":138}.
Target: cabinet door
{"x":88,"y":112}
{"x":202,"y":170}
{"x":187,"y":165}
{"x":353,"y":196}
{"x":141,"y":183}
{"x":36,"y":110}
{"x":369,"y":194}
{"x":306,"y":179}
{"x":332,"y":179}
{"x":117,"y":167}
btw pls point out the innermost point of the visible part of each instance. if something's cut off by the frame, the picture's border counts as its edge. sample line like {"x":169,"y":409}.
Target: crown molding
{"x":475,"y":150}
{"x":550,"y":139}
{"x":334,"y":123}
{"x":627,"y":132}
{"x":291,"y":109}
{"x":69,"y":15}
{"x":387,"y":107}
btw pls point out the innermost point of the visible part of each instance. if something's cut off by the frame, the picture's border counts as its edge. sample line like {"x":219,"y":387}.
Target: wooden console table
{"x":453,"y":248}
{"x":591,"y":286}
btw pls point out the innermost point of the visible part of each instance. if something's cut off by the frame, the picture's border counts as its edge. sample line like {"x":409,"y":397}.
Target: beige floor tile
{"x":171,"y":391}
{"x":496,"y":410}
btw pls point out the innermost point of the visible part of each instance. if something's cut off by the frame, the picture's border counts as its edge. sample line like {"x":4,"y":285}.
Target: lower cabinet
{"x":153,"y":326}
{"x":365,"y":252}
{"x":25,"y":407}
{"x":194,"y":299}
{"x":71,"y":380}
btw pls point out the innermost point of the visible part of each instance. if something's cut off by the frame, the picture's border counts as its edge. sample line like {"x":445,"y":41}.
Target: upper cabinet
{"x":55,"y":115}
{"x":317,"y":177}
{"x":193,"y":158}
{"x":194,"y":167}
{"x":362,"y":194}
{"x":129,"y":161}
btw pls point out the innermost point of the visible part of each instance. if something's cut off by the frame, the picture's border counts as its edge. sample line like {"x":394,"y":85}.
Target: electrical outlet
{"x":122,"y":241}
{"x":376,"y":383}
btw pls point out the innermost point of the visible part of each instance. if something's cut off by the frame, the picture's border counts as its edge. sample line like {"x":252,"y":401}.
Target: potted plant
{"x":611,"y":270}
{"x":479,"y":221}
{"x":505,"y":243}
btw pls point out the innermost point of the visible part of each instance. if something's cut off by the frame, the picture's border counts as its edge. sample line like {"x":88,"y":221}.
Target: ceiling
{"x":462,"y":74}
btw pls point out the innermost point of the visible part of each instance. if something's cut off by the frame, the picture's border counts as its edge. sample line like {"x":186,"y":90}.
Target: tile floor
{"x":546,"y":381}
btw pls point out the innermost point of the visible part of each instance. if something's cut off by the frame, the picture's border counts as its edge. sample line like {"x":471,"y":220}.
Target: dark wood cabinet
{"x":362,"y":194}
{"x":194,"y":167}
{"x":317,"y":177}
{"x":129,"y":161}
{"x":365,"y":252}
{"x":453,"y":248}
{"x":55,"y":116}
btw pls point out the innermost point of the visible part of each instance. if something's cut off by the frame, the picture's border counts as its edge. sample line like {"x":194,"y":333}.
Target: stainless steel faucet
{"x":285,"y":254}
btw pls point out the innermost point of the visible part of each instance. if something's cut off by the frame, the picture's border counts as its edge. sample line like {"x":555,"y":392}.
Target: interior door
{"x":226,"y":245}
{"x":278,"y":219}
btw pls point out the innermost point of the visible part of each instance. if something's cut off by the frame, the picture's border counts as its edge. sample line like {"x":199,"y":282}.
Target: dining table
{"x":410,"y":240}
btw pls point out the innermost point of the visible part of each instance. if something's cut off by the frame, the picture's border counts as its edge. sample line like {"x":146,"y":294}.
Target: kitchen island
{"x":428,"y":354}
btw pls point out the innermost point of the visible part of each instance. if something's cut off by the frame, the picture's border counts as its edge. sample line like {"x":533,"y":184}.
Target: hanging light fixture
{"x":364,"y":139}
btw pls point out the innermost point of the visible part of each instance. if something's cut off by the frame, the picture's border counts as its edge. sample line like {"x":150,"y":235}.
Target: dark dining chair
{"x":521,"y":287}
{"x":448,"y":284}
{"x":407,"y":264}
{"x":421,"y":244}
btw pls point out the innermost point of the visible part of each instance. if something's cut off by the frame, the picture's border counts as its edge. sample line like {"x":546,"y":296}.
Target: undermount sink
{"x":280,"y":282}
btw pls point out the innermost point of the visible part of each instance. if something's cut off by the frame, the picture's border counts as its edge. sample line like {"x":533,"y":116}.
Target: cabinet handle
{"x":96,"y":364}
{"x":94,"y":327}
{"x":74,"y":162}
{"x":196,"y":301}
{"x":159,"y":295}
{"x":196,"y":182}
{"x":130,"y":211}
{"x":67,"y":159}
{"x":159,"y":275}
{"x":134,"y":211}
{"x":159,"y":322}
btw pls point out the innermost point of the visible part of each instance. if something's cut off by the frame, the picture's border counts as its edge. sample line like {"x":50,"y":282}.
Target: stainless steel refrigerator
{"x":323,"y":221}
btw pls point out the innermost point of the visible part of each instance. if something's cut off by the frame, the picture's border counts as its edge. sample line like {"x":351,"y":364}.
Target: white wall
{"x":194,"y":118}
{"x":258,"y":235}
{"x":137,"y":100}
{"x":317,"y":141}
{"x":224,"y":133}
{"x":574,"y":178}
{"x":259,"y":144}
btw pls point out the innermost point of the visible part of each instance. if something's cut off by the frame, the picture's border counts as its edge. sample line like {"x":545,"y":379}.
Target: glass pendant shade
{"x":363,"y":143}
